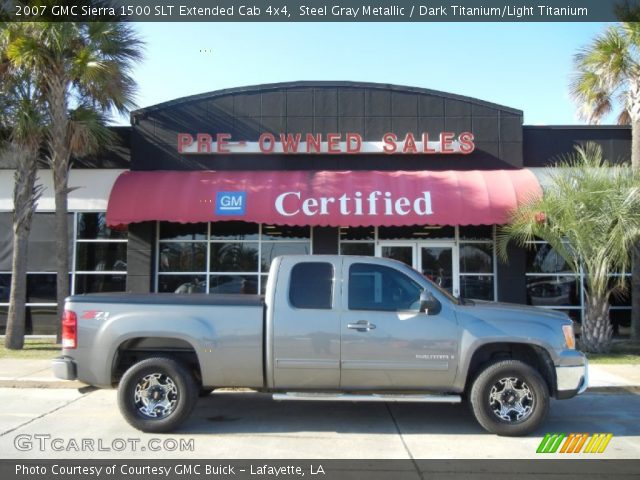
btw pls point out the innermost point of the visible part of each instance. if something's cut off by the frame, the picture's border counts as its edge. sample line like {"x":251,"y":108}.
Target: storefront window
{"x":477,"y":262}
{"x":97,"y":256}
{"x":357,"y":241}
{"x":224,"y":257}
{"x":100,"y":261}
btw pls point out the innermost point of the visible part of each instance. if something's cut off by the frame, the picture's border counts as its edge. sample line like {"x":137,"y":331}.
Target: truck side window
{"x":376,"y":287}
{"x":311,"y":285}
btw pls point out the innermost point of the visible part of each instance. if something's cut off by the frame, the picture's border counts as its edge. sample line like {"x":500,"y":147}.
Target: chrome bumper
{"x":65,"y":368}
{"x":572,"y":380}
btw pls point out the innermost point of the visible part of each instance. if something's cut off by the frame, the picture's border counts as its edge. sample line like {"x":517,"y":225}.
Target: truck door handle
{"x":361,"y":326}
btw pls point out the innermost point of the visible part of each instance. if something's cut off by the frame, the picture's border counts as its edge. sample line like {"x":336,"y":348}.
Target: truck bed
{"x":171,"y":299}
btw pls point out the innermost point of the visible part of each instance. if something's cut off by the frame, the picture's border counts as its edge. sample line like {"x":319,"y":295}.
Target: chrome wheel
{"x":511,"y":400}
{"x":156,"y":395}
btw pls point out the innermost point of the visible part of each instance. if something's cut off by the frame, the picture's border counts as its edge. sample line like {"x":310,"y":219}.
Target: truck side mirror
{"x":429,"y":304}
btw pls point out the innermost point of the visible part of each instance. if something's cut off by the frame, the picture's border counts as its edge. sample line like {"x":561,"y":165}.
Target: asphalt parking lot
{"x":67,"y":423}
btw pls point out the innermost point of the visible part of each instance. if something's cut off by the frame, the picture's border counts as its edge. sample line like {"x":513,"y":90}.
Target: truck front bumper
{"x":65,"y":368}
{"x":572,"y":380}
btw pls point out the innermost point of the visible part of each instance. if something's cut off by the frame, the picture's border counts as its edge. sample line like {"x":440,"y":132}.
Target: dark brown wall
{"x":543,"y":146}
{"x":327,"y":107}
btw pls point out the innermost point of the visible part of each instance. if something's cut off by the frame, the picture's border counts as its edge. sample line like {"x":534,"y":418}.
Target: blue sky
{"x":521,"y":65}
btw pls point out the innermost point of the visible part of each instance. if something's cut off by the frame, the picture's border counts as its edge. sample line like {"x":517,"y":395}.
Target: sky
{"x":527,"y":66}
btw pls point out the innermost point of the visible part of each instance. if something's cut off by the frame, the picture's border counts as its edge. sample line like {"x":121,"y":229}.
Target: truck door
{"x":386,"y":342}
{"x":306,"y":324}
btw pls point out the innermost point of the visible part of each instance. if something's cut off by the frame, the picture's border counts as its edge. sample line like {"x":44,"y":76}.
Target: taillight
{"x":69,"y":329}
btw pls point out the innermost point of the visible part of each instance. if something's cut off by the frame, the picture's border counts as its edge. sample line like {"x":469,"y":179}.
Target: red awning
{"x":347,"y":198}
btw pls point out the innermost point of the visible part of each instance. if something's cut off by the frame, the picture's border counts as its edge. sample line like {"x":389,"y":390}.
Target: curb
{"x":53,"y":384}
{"x":631,"y":389}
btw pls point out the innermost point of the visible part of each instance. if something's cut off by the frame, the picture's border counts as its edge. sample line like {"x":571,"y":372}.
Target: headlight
{"x":569,"y":336}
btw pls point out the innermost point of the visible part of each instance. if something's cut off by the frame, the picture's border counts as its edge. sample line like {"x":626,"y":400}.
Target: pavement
{"x":19,"y":373}
{"x":52,"y":423}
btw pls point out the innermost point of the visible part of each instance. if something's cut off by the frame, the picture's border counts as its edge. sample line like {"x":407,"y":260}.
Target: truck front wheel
{"x":509,"y":398}
{"x":157,"y":394}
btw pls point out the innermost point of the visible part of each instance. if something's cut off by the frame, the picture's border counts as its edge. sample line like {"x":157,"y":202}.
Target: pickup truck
{"x":339,"y":328}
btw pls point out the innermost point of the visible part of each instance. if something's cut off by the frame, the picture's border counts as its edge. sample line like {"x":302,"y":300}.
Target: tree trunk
{"x":25,"y":195}
{"x":635,"y":268}
{"x":597,"y":331}
{"x":59,"y":162}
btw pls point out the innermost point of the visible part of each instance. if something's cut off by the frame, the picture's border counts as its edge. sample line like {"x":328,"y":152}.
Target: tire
{"x":175,"y":393}
{"x":509,"y":398}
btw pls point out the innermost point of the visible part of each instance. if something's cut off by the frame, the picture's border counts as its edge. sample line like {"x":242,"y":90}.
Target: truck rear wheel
{"x":509,"y":398}
{"x":157,"y":394}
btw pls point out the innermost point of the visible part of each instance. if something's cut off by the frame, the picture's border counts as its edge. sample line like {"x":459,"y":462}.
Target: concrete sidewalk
{"x":18,"y":373}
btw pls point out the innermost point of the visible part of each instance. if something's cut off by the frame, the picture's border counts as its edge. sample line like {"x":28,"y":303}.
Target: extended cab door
{"x":305,"y":320}
{"x":386,"y":342}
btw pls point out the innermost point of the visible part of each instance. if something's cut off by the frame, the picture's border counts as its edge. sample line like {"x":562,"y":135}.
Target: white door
{"x":437,"y":260}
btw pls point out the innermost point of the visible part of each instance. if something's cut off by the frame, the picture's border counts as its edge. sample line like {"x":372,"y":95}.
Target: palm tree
{"x":607,"y":77}
{"x":22,"y":122}
{"x":82,"y":67}
{"x":590,"y":215}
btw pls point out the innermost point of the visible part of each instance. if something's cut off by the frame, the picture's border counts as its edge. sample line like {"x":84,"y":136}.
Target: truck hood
{"x":497,"y":311}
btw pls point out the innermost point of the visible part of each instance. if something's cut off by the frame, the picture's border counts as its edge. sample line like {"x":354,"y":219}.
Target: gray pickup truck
{"x":329,"y":328}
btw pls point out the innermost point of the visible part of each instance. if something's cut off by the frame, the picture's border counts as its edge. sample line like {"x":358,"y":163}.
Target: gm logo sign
{"x":231,"y":203}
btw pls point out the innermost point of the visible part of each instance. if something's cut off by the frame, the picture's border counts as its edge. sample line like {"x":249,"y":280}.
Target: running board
{"x":347,"y":397}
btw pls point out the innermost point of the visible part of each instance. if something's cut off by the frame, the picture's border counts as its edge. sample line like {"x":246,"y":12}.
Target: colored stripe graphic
{"x":573,"y":443}
{"x":550,"y":443}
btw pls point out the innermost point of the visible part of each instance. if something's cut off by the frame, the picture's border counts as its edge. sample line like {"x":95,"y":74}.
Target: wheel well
{"x":135,"y":350}
{"x":532,"y":355}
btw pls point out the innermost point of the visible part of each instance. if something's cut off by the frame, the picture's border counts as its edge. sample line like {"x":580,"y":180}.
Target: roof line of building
{"x":319,"y":84}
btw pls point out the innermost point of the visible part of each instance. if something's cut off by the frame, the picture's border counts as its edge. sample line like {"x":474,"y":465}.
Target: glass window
{"x":247,"y":284}
{"x":183,"y":257}
{"x":234,"y":257}
{"x":271,"y":250}
{"x":367,"y":249}
{"x":182,"y":284}
{"x":311,"y":285}
{"x":41,"y":288}
{"x":235,"y":231}
{"x":476,"y":258}
{"x":552,"y":291}
{"x":42,"y":243}
{"x":6,"y":240}
{"x":100,"y":283}
{"x":542,"y":258}
{"x":376,"y":287}
{"x":622,"y":298}
{"x":183,"y":231}
{"x":5,"y":287}
{"x":94,"y":226}
{"x":4,"y":311}
{"x":101,"y":256}
{"x":479,"y":287}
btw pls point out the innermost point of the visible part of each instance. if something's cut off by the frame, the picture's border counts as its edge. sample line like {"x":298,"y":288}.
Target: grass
{"x":622,"y":351}
{"x":34,"y":349}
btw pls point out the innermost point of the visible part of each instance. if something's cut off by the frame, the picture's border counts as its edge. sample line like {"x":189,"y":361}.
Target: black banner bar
{"x":323,"y":10}
{"x":118,"y":469}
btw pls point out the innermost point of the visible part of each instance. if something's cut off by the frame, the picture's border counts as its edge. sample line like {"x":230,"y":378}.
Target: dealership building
{"x":202,"y":192}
